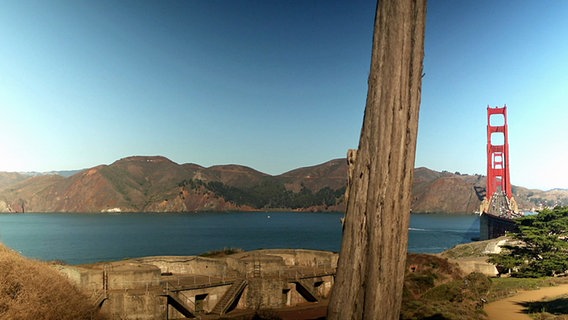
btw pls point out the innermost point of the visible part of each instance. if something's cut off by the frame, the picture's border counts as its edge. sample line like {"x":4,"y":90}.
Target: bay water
{"x":86,"y":238}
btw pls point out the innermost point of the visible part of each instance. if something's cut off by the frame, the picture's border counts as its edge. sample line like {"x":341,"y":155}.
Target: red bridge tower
{"x":499,"y":207}
{"x":497,"y":152}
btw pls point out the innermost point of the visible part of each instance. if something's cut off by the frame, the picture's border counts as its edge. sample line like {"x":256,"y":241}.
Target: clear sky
{"x":273,"y":85}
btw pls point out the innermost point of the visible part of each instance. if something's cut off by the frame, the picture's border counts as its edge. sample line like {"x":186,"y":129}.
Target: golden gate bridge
{"x":498,"y":208}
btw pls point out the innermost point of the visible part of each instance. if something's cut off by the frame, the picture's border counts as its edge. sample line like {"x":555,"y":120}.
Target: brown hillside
{"x":534,"y":199}
{"x":24,"y":194}
{"x":235,"y":175}
{"x":157,"y":184}
{"x":131,"y":184}
{"x":11,"y":178}
{"x":331,"y":174}
{"x":445,"y":192}
{"x":88,"y":191}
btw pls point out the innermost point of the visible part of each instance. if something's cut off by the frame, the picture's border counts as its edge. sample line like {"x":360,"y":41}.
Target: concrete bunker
{"x":170,"y":287}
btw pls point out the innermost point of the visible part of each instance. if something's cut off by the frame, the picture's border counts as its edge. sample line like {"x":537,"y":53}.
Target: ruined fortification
{"x":197,"y":287}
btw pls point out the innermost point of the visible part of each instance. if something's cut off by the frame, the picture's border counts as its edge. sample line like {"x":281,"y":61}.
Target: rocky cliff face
{"x":157,"y":184}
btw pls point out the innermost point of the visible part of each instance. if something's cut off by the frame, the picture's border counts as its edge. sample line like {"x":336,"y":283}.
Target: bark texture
{"x":371,"y":266}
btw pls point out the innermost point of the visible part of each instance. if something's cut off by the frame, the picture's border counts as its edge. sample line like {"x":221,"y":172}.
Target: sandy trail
{"x":510,"y":308}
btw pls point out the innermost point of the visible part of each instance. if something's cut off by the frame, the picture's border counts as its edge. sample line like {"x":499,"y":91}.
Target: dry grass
{"x":33,"y":290}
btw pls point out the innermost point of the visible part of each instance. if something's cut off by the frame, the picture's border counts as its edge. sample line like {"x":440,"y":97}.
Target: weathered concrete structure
{"x":196,"y":287}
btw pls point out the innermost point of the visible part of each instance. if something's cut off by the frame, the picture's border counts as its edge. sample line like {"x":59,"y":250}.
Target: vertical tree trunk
{"x":372,"y":261}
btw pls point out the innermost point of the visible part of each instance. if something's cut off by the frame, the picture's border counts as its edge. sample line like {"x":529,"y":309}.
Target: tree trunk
{"x":372,"y":261}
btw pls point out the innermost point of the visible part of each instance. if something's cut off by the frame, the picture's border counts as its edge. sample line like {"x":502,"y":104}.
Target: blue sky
{"x":273,"y":85}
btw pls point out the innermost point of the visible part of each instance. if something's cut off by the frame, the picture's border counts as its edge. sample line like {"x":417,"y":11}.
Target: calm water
{"x":85,"y":238}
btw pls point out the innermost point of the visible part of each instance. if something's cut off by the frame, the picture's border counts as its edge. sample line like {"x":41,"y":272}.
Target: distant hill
{"x":157,"y":184}
{"x":10,"y":178}
{"x":64,"y":173}
{"x":446,"y":192}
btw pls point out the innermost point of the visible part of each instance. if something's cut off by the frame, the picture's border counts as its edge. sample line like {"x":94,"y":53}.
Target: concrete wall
{"x":133,"y":276}
{"x":90,"y":281}
{"x":300,"y":257}
{"x":265,"y":293}
{"x":132,"y":290}
{"x":213,"y":295}
{"x":294,"y":297}
{"x":477,"y":265}
{"x":322,"y":286}
{"x":243,"y":263}
{"x":119,"y":276}
{"x":325,"y":289}
{"x":135,"y":305}
{"x":188,"y":265}
{"x":266,"y":263}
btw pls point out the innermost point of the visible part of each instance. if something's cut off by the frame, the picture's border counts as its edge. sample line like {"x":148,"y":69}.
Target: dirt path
{"x":510,"y":308}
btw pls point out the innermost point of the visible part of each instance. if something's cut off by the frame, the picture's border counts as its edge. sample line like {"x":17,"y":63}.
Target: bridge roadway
{"x":497,"y":216}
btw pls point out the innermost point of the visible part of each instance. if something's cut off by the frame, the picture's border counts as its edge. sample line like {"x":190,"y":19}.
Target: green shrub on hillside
{"x":270,"y":195}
